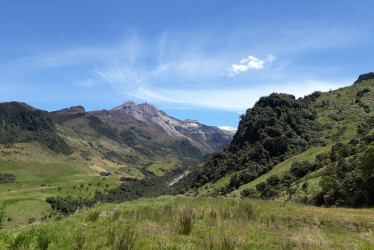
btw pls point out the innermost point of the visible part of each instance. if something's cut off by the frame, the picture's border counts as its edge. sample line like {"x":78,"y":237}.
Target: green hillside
{"x":76,"y":153}
{"x":290,"y":149}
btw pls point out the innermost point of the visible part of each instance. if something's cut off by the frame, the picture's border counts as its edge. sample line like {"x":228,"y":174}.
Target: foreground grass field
{"x":200,"y":223}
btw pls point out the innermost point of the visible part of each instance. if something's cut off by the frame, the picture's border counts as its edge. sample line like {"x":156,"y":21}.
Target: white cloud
{"x":250,"y":62}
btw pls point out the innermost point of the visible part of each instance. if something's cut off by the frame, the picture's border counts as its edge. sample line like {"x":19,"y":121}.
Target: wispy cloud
{"x":231,"y":99}
{"x":179,"y":71}
{"x":248,"y":63}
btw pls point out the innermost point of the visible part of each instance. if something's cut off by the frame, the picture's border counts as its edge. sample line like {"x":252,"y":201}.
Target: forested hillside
{"x":317,"y":150}
{"x":22,"y":123}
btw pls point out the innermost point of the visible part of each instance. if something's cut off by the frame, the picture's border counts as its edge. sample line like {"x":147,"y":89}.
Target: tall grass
{"x":125,"y":237}
{"x":21,"y":240}
{"x":246,"y":211}
{"x":80,"y":240}
{"x":187,"y":220}
{"x":93,"y":216}
{"x":43,"y":239}
{"x":181,"y":223}
{"x":227,"y":243}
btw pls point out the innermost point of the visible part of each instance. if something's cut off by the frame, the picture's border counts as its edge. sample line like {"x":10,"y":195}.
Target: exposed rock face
{"x":78,"y":108}
{"x":364,"y":77}
{"x":149,"y":114}
{"x":209,"y":138}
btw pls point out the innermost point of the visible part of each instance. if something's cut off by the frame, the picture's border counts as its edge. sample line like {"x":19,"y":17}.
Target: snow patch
{"x":227,"y":128}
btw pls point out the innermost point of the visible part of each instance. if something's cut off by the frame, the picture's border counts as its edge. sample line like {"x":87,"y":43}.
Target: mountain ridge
{"x":207,"y":138}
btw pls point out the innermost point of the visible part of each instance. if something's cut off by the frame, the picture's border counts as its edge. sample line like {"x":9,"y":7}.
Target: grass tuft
{"x":80,"y":240}
{"x":43,"y":239}
{"x":21,"y":240}
{"x":187,"y":220}
{"x":93,"y":216}
{"x":125,"y":238}
{"x":246,"y":211}
{"x":227,"y":243}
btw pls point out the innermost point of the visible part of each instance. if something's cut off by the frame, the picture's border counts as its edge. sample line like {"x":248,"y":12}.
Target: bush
{"x":300,"y":169}
{"x":247,"y":193}
{"x":269,"y":192}
{"x":273,"y":180}
{"x":261,"y":186}
{"x":7,"y":178}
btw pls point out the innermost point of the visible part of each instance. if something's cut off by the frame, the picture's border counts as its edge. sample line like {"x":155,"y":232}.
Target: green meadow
{"x":35,"y":181}
{"x":200,"y":223}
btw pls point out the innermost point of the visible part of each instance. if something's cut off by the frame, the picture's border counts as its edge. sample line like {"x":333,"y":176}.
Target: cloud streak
{"x":230,"y":99}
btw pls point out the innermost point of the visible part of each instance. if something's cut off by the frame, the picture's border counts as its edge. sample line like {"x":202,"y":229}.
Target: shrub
{"x":269,"y":192}
{"x":300,"y":169}
{"x":247,"y":192}
{"x":273,"y":180}
{"x":261,"y":186}
{"x":7,"y":178}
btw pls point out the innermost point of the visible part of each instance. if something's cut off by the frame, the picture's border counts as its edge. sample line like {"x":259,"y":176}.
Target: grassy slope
{"x":218,"y":223}
{"x":331,"y":106}
{"x":35,"y":181}
{"x":40,"y":172}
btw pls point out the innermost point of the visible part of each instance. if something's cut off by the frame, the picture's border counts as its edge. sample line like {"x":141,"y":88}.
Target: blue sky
{"x":205,"y":60}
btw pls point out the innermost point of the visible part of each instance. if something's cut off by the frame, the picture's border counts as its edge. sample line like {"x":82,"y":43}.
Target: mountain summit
{"x":207,"y":138}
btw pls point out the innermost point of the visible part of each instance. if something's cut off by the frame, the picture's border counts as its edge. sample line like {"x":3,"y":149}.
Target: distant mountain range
{"x":135,"y":135}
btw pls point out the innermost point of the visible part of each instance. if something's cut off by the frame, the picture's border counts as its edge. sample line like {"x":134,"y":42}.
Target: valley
{"x":100,"y":148}
{"x":289,"y":178}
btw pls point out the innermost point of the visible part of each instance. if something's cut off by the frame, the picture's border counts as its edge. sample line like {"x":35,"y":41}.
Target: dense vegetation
{"x":346,"y":177}
{"x":22,"y":123}
{"x":130,"y":189}
{"x":277,"y":127}
{"x":7,"y":178}
{"x":315,"y":150}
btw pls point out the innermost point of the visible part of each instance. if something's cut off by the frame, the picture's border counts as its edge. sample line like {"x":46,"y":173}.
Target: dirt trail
{"x":99,"y":169}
